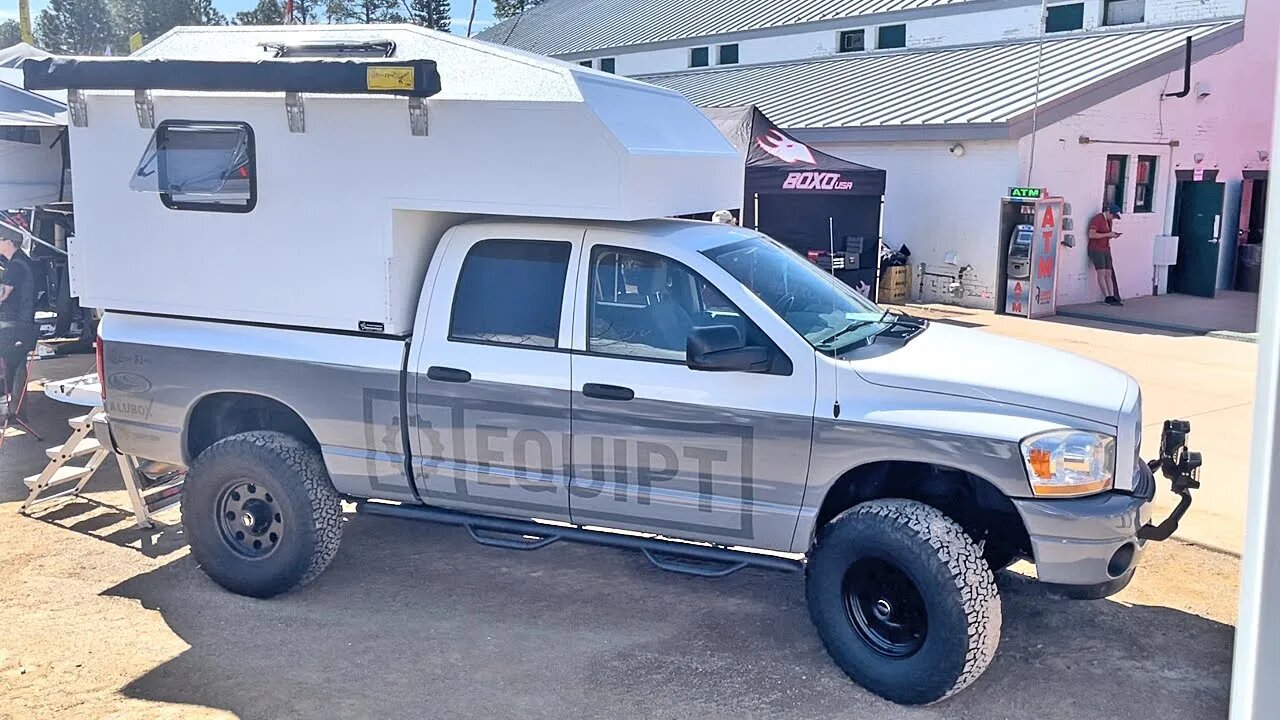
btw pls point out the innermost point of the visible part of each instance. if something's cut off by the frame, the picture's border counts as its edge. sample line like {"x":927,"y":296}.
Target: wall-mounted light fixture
{"x":957,"y":150}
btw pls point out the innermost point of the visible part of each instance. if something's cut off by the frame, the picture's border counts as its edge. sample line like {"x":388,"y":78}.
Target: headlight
{"x":1070,"y":463}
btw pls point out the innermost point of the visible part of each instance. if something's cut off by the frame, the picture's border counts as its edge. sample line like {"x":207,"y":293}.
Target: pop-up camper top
{"x":301,"y":176}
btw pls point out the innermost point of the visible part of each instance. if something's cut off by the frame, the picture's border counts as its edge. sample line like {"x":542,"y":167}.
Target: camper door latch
{"x":418,"y":116}
{"x":145,"y":108}
{"x":296,"y":112}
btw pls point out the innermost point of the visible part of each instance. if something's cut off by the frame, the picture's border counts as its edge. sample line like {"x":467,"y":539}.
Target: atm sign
{"x":1026,"y":193}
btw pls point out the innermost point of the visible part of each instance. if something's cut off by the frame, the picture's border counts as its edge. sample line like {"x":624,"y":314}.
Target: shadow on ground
{"x":413,"y":620}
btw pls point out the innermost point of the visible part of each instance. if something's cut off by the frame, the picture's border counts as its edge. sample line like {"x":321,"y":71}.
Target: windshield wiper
{"x":845,"y":331}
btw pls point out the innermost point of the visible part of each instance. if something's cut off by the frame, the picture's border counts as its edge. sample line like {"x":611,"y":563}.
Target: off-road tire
{"x":295,"y":476}
{"x":953,"y":580}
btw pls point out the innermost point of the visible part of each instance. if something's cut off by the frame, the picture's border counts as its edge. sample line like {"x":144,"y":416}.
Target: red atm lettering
{"x":1045,"y":268}
{"x":1048,"y":241}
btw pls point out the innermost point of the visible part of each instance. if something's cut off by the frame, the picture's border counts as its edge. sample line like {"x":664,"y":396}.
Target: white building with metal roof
{"x":959,"y":100}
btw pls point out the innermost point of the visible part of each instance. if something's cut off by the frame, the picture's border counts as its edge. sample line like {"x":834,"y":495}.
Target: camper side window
{"x":205,"y":166}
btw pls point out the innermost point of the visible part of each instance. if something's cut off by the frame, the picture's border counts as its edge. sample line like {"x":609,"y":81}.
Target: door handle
{"x":608,"y":392}
{"x":448,"y":374}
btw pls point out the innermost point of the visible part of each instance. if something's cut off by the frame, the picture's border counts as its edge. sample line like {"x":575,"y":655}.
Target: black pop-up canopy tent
{"x":811,"y":201}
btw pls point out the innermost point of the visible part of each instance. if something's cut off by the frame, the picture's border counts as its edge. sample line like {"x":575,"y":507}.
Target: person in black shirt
{"x":17,"y":311}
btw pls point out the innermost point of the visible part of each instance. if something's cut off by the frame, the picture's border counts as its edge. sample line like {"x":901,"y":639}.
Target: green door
{"x":1198,"y":225}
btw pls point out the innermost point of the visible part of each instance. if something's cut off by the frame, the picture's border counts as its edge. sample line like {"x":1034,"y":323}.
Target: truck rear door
{"x":489,"y":395}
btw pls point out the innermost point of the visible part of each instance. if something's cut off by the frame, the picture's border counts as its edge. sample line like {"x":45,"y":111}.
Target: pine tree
{"x":267,"y":12}
{"x":10,"y":33}
{"x":364,"y":11}
{"x":75,"y":27}
{"x":430,"y":13}
{"x":306,"y":12}
{"x":154,"y":18}
{"x":503,"y":9}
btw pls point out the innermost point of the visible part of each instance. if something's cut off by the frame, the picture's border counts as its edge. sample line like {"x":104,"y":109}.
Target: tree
{"x":503,"y":9}
{"x":430,"y":13}
{"x":154,"y":18}
{"x":267,"y":12}
{"x":364,"y":11}
{"x":75,"y":27}
{"x":307,"y":11}
{"x":10,"y":33}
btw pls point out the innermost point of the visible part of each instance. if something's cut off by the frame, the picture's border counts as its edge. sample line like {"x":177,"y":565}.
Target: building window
{"x":608,"y":65}
{"x":699,"y":57}
{"x":891,"y":36}
{"x":1144,"y":196}
{"x":200,"y":166}
{"x":584,"y":63}
{"x":1123,"y":12}
{"x":510,"y":292}
{"x":853,"y":40}
{"x":727,"y":54}
{"x":1117,"y":172}
{"x":1064,"y":18}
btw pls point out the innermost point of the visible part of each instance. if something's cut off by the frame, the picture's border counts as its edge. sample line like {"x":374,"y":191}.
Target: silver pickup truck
{"x":694,"y":391}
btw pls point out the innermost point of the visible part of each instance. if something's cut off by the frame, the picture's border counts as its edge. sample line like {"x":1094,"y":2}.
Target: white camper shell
{"x":333,"y":202}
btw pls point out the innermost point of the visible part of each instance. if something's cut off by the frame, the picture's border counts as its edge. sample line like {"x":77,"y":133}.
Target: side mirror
{"x":721,"y":348}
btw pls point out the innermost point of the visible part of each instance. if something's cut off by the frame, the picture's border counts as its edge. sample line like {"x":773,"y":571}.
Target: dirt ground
{"x":101,"y":620}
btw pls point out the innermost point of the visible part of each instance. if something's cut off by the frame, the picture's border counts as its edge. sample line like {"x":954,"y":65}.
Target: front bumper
{"x":1094,"y":543}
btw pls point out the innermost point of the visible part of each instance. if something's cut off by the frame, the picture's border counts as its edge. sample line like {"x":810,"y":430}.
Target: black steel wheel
{"x":261,"y":513}
{"x":903,"y":600}
{"x":885,"y":607}
{"x":250,"y":519}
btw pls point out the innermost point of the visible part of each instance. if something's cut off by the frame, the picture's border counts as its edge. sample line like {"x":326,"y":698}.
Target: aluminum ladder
{"x":147,"y":496}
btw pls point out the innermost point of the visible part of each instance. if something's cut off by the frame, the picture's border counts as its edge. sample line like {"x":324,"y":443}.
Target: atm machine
{"x":1031,"y":224}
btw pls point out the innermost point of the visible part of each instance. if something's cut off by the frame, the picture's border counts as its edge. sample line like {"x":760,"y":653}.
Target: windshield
{"x":829,"y":314}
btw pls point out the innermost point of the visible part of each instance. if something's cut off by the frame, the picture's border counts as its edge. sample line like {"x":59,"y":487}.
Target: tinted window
{"x":853,"y":41}
{"x":699,"y":57}
{"x":608,"y":65}
{"x":1063,"y":18}
{"x":510,"y":292}
{"x":199,"y":166}
{"x":1123,"y":12}
{"x":1144,"y":197}
{"x":892,"y":36}
{"x":644,"y":305}
{"x":1114,"y":188}
{"x":728,"y":54}
{"x":584,"y":63}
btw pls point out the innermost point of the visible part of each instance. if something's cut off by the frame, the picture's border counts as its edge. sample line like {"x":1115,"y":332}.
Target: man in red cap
{"x":1100,"y":237}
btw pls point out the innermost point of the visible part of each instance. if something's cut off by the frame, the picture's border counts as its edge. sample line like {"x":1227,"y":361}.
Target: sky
{"x":461,"y":8}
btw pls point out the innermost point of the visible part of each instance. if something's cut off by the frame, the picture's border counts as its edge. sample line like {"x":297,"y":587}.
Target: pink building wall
{"x":1228,"y":129}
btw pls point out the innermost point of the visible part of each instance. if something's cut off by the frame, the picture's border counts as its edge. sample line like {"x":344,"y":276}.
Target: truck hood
{"x":969,"y":363}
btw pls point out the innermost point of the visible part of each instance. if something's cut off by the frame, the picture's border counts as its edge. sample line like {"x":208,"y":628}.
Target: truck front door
{"x":490,"y":398}
{"x":659,"y":447}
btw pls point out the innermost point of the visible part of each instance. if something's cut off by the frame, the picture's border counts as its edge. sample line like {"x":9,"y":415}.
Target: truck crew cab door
{"x":658,"y":447}
{"x":490,"y":395}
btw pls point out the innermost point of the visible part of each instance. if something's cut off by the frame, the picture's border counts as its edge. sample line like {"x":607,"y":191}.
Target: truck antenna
{"x":831,"y":237}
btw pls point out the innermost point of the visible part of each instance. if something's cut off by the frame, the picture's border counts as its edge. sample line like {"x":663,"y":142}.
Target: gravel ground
{"x":102,"y":620}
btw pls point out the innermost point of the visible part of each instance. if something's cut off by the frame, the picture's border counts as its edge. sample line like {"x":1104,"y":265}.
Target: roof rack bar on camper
{"x":414,"y":79}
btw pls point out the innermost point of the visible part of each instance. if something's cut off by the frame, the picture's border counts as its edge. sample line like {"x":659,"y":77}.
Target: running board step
{"x":671,"y":555}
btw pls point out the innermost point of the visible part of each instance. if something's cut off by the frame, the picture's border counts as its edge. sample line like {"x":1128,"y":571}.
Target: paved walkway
{"x":1230,"y":315}
{"x":1207,"y":380}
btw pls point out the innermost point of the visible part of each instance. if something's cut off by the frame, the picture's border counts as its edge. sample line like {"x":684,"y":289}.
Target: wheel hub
{"x":885,"y":608}
{"x":249,"y":518}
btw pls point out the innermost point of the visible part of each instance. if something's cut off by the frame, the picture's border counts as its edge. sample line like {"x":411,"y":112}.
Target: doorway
{"x":1197,"y":221}
{"x":1253,"y":216}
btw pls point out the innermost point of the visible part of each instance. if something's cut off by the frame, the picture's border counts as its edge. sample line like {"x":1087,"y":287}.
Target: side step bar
{"x":674,"y":556}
